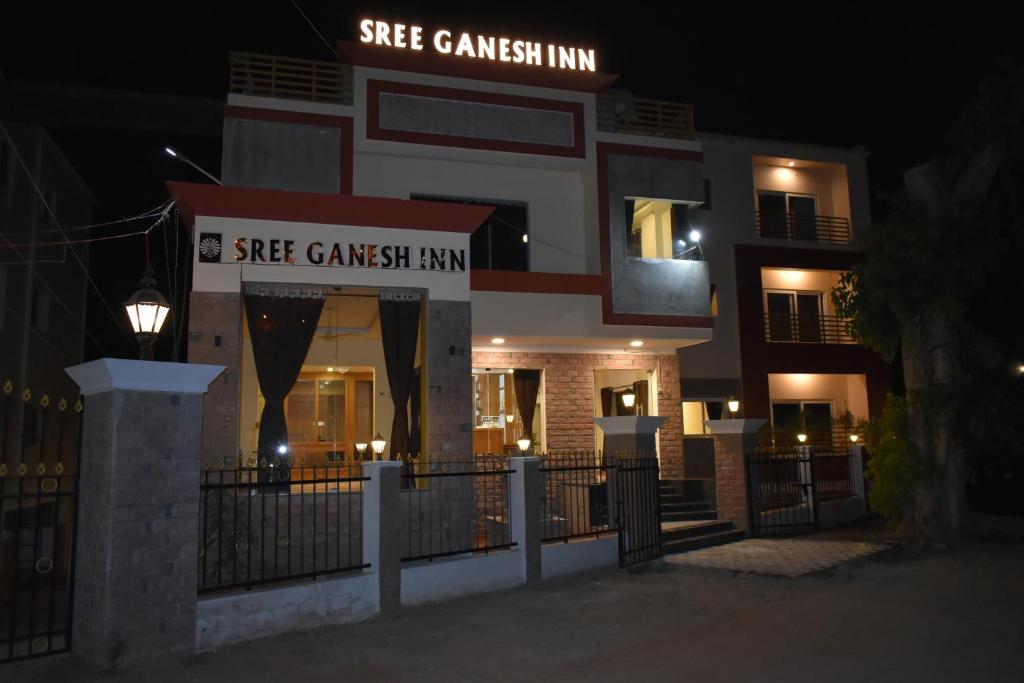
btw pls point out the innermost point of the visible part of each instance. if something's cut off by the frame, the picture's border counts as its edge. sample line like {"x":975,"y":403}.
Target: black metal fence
{"x":807,"y":329}
{"x":637,"y":509}
{"x":456,"y":508}
{"x":40,"y":440}
{"x":785,"y":485}
{"x":258,"y":525}
{"x":575,"y":499}
{"x":794,"y":226}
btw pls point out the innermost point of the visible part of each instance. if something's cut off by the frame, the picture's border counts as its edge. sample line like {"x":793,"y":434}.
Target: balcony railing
{"x":807,"y":329}
{"x":791,"y":226}
{"x":290,"y":78}
{"x":620,"y":112}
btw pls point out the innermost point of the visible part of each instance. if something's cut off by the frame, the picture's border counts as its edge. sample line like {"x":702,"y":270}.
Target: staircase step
{"x":698,"y":542}
{"x":670,"y":533}
{"x":688,"y":516}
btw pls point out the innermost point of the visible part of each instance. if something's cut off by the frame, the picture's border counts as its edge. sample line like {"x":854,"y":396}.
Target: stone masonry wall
{"x":449,"y":429}
{"x":731,"y":477}
{"x":568,"y":391}
{"x":215,"y":337}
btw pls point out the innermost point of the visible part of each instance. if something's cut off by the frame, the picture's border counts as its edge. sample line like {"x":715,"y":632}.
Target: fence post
{"x":734,"y":439}
{"x":138,"y":525}
{"x":856,"y":454}
{"x":525,"y":510}
{"x":805,"y":478}
{"x":382,"y":523}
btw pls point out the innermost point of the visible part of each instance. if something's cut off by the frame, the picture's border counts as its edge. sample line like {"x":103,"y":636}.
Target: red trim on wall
{"x":608,"y":315}
{"x":332,"y":209}
{"x":426,"y":62}
{"x":343,"y":123}
{"x":758,"y":357}
{"x":532,"y":282}
{"x":374,"y":88}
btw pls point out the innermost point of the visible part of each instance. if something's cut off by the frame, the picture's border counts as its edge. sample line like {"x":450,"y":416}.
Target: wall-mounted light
{"x":629,"y":398}
{"x":526,"y":238}
{"x":791,"y":164}
{"x":695,"y":236}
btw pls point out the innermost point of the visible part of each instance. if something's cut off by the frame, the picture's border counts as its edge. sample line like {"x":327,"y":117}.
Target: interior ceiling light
{"x":498,"y":340}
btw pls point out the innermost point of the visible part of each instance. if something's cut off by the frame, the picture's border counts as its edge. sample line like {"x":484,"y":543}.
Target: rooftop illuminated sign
{"x":475,"y":46}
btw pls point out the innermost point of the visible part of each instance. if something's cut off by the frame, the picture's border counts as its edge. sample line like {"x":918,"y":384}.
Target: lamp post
{"x":378,"y":444}
{"x":147,"y":309}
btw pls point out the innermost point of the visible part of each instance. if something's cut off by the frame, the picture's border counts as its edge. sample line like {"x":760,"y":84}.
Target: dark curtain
{"x":414,"y":418}
{"x":399,"y":330}
{"x":680,"y":226}
{"x":640,"y":389}
{"x":526,"y":384}
{"x":281,"y":329}
{"x":607,"y":395}
{"x":632,"y":241}
{"x":714,"y":409}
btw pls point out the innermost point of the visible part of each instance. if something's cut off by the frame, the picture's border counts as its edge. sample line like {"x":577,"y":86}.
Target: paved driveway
{"x":790,"y":557}
{"x":953,"y":616}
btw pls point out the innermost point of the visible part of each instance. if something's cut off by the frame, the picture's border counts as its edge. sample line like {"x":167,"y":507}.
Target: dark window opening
{"x":502,"y":241}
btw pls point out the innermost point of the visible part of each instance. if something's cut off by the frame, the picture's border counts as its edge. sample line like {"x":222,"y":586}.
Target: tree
{"x":925,"y":268}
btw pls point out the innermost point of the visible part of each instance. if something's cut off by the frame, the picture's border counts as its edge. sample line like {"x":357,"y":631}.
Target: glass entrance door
{"x":327,"y":414}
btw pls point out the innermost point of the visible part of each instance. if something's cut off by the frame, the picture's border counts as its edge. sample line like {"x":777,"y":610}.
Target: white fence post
{"x":524,"y":503}
{"x":856,"y":454}
{"x":805,"y":476}
{"x":382,"y":530}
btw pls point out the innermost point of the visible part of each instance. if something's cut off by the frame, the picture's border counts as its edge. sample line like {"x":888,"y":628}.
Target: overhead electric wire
{"x":42,"y":337}
{"x":21,"y":161}
{"x":78,"y":228}
{"x":315,"y":30}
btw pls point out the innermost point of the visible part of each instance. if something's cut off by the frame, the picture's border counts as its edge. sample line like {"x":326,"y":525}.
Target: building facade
{"x":571,"y":252}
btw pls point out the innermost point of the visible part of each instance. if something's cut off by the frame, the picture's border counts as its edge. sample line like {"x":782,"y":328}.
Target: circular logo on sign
{"x":210,"y":247}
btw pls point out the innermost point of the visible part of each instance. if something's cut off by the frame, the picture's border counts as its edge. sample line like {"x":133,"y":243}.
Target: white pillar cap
{"x":108,"y":374}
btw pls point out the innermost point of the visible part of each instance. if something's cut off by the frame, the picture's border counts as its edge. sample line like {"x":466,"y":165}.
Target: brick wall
{"x":568,"y":391}
{"x":731,"y":478}
{"x":214,"y":337}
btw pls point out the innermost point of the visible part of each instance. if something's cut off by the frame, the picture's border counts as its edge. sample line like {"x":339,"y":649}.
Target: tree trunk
{"x":938,"y":508}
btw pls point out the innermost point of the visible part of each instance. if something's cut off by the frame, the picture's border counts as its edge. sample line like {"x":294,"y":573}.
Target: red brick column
{"x":731,"y":447}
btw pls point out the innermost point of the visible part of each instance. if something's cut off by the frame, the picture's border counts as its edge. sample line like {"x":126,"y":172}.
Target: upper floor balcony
{"x":290,"y":78}
{"x":798,"y":307}
{"x":801,"y":200}
{"x":618,"y":111}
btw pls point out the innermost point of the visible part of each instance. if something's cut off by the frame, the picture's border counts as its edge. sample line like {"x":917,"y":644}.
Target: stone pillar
{"x":449,"y":404}
{"x":630,"y":434}
{"x":382,"y":526}
{"x":135,"y":570}
{"x":525,"y":510}
{"x":733,"y":440}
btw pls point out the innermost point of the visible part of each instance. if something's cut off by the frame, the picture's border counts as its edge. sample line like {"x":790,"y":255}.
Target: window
{"x":658,"y":229}
{"x":697,"y":413}
{"x":794,"y":316}
{"x":806,"y":415}
{"x":502,"y":242}
{"x":785,"y":215}
{"x":328,"y":412}
{"x":496,"y":419}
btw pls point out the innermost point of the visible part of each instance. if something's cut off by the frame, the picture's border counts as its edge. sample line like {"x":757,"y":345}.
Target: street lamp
{"x":147,"y":309}
{"x":181,"y":157}
{"x":378,"y":445}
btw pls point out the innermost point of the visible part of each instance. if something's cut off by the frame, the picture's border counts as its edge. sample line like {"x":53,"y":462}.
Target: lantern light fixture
{"x":854,"y":438}
{"x":801,"y":437}
{"x":734,"y":406}
{"x":361,"y":449}
{"x":524,"y":444}
{"x":378,"y":444}
{"x":147,"y":310}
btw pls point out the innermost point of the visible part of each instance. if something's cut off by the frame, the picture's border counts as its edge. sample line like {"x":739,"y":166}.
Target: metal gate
{"x":637,"y":511}
{"x":39,"y":444}
{"x":780,"y":491}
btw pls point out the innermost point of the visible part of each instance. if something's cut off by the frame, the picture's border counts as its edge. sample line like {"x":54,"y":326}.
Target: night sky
{"x":891,"y":82}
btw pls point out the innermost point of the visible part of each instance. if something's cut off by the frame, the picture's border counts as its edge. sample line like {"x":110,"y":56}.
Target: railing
{"x":791,"y":226}
{"x":833,"y":476}
{"x":290,"y":78}
{"x":260,"y":525}
{"x":575,"y":497}
{"x":620,"y":112}
{"x":457,"y":508}
{"x":835,"y":437}
{"x":807,"y":329}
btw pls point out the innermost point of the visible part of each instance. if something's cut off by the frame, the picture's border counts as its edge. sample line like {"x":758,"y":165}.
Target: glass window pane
{"x":332,"y":410}
{"x":786,"y":415}
{"x":300,"y":412}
